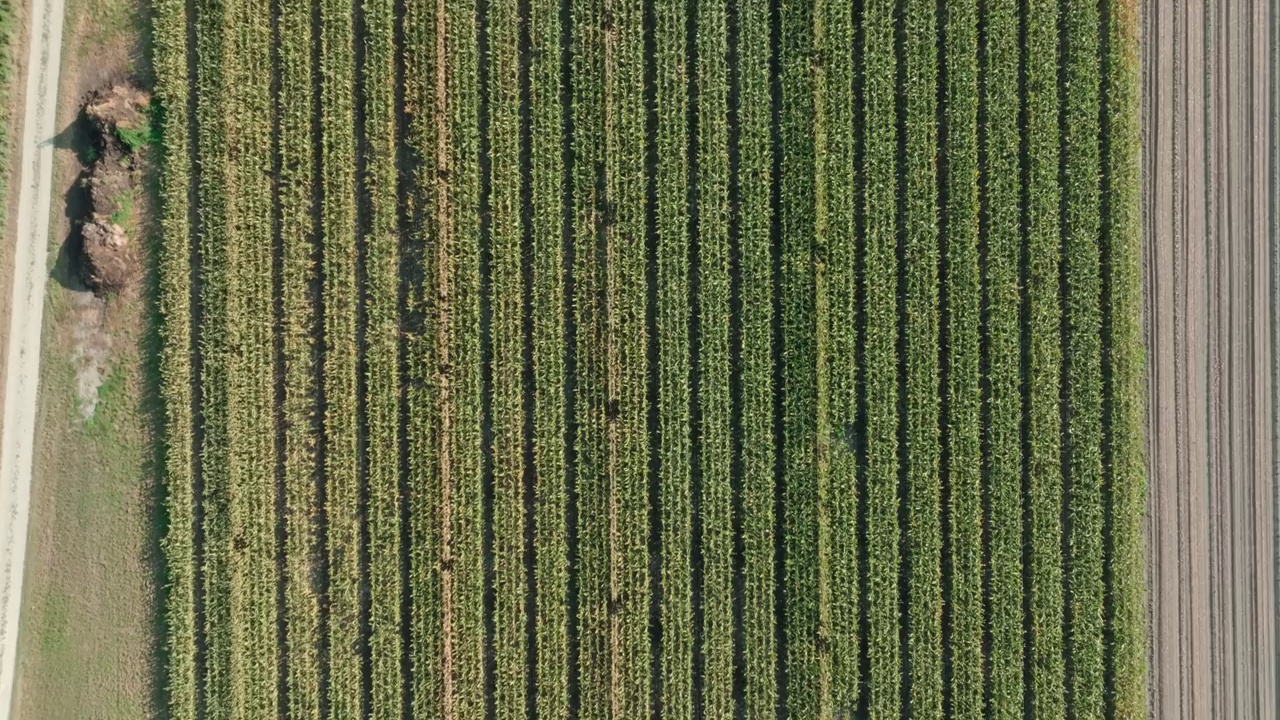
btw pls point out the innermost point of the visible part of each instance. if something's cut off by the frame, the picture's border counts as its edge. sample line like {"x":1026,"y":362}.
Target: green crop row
{"x":338,"y":223}
{"x":300,"y":316}
{"x":962,"y":313}
{"x":922,"y":452}
{"x":446,"y":564}
{"x":590,"y":396}
{"x":506,"y":289}
{"x":803,"y":343}
{"x":714,"y":435}
{"x":1083,"y":358}
{"x":671,"y":70}
{"x":625,"y":350}
{"x":1127,"y":640}
{"x":546,"y":105}
{"x":214,"y":56}
{"x":1044,"y":253}
{"x":755,"y":171}
{"x":423,"y":391}
{"x":1003,"y":464}
{"x":835,"y":211}
{"x":423,"y":397}
{"x":381,"y":325}
{"x":880,"y":310}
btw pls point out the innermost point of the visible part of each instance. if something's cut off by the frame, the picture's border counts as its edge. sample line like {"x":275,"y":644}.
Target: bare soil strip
{"x":1207,"y":190}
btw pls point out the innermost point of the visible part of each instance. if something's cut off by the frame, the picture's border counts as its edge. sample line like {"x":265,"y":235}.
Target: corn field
{"x":613,"y":359}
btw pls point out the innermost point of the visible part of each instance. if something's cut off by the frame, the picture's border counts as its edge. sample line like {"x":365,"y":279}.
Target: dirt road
{"x":1211,"y":317}
{"x":23,"y":354}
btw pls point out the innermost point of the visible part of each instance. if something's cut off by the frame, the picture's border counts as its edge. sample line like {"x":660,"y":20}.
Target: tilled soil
{"x":1208,"y":185}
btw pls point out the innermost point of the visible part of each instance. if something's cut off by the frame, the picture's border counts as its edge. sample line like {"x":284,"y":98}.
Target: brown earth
{"x":1210,"y":321}
{"x":108,"y":261}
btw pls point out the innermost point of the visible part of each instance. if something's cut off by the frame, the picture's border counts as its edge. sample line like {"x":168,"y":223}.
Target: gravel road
{"x":23,"y":355}
{"x":1211,"y":317}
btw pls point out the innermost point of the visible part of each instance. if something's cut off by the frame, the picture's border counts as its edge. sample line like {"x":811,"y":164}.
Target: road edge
{"x":27,"y":309}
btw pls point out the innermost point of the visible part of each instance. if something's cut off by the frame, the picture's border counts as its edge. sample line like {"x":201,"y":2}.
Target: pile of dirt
{"x":120,"y":119}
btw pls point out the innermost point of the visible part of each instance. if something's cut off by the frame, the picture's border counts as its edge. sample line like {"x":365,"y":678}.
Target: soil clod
{"x":120,"y":118}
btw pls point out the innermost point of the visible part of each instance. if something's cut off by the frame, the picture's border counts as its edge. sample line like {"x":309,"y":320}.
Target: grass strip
{"x":166,"y":55}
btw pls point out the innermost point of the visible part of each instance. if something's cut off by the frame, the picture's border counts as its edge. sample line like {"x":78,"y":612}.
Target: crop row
{"x":550,"y":451}
{"x":835,"y":200}
{"x":880,"y":365}
{"x":424,"y":391}
{"x":446,"y":565}
{"x":588,"y":452}
{"x":300,"y":318}
{"x":251,"y":377}
{"x":625,"y":355}
{"x":714,"y":410}
{"x":673,"y":312}
{"x":338,"y":229}
{"x":755,"y":454}
{"x":212,"y":49}
{"x":920,"y":329}
{"x":803,"y":342}
{"x":1126,"y":632}
{"x":1083,"y":357}
{"x":1003,"y":403}
{"x":1044,"y":465}
{"x":380,"y":308}
{"x":962,"y":318}
{"x":173,"y":271}
{"x":507,"y":292}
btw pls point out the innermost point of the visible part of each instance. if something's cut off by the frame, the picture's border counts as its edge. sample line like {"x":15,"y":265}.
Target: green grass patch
{"x":137,"y":138}
{"x":124,"y":209}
